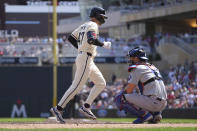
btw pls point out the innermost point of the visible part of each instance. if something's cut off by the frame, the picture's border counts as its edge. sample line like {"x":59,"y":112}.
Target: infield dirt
{"x":85,"y":123}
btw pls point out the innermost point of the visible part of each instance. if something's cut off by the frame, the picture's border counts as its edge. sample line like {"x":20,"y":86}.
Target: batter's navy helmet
{"x":138,"y":52}
{"x":99,"y":14}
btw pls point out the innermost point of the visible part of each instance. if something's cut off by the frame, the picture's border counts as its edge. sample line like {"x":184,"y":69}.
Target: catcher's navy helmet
{"x":137,"y":52}
{"x":99,"y":14}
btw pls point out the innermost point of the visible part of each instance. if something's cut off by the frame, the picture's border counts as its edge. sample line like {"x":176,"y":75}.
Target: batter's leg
{"x":81,"y":76}
{"x":99,"y":81}
{"x":100,"y":84}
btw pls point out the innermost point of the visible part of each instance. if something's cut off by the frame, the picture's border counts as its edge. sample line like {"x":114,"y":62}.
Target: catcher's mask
{"x":136,"y":52}
{"x":99,"y":14}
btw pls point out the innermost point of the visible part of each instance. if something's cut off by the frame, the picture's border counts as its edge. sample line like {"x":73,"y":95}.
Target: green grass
{"x":175,"y":120}
{"x":3,"y":120}
{"x":109,"y":129}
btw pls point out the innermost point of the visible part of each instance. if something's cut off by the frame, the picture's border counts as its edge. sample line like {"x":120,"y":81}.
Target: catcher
{"x":149,"y":103}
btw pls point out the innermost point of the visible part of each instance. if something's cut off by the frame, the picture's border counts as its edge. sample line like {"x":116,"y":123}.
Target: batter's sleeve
{"x":92,"y":35}
{"x":93,"y":27}
{"x":73,"y":41}
{"x":75,"y":33}
{"x":73,"y":38}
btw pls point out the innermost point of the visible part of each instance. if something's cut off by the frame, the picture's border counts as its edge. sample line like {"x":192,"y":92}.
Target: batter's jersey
{"x":144,"y":72}
{"x":80,"y":34}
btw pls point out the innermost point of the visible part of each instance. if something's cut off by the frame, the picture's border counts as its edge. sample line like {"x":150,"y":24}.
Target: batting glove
{"x":107,"y":44}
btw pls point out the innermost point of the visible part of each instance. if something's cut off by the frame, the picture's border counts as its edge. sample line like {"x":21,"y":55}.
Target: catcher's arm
{"x":129,"y":88}
{"x":120,"y":99}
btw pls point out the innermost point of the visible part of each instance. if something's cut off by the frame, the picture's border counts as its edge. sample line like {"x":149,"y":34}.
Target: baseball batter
{"x":147,"y":105}
{"x":85,"y":39}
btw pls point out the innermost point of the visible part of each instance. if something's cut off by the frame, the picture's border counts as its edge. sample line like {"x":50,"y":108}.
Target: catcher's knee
{"x":122,"y":104}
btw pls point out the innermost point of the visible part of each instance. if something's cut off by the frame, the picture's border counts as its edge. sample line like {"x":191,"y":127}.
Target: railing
{"x":71,"y":20}
{"x":35,"y":49}
{"x":190,"y":39}
{"x":27,"y":50}
{"x":180,"y":43}
{"x":146,"y":5}
{"x":101,"y":52}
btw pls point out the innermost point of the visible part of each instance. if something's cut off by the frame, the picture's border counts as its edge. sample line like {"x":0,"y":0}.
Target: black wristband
{"x":73,"y":41}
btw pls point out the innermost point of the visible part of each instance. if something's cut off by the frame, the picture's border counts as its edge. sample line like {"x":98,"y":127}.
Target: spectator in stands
{"x":1,"y":52}
{"x":113,"y":78}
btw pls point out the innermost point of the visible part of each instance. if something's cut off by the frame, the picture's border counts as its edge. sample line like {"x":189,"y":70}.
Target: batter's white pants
{"x":85,"y":68}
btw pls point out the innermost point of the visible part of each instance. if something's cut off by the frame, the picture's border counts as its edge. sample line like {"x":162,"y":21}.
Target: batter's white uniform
{"x":153,"y":95}
{"x":85,"y":66}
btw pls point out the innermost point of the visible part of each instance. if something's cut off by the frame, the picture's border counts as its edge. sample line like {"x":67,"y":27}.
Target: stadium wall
{"x":167,"y":113}
{"x":27,"y":91}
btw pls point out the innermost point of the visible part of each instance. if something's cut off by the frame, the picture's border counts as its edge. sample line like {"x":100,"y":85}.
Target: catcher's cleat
{"x":57,"y":114}
{"x":156,"y":118}
{"x":87,"y":112}
{"x":143,"y":119}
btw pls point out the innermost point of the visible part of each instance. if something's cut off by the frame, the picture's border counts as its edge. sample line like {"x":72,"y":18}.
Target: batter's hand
{"x":107,"y":44}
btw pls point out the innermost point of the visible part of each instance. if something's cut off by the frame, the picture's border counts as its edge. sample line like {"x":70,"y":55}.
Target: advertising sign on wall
{"x":117,"y":60}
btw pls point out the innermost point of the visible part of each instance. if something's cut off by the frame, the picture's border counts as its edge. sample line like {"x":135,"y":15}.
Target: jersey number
{"x":81,"y":35}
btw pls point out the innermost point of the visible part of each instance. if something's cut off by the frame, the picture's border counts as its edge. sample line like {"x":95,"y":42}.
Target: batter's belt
{"x":89,"y":54}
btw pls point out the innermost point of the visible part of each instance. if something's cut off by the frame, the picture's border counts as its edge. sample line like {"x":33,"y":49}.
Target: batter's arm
{"x":91,"y":36}
{"x":73,"y":41}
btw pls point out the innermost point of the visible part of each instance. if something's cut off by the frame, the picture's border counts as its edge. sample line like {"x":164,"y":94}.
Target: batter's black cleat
{"x":57,"y":114}
{"x":87,"y":112}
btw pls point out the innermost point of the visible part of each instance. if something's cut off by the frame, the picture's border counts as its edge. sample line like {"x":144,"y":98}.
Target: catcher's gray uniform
{"x":153,"y":93}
